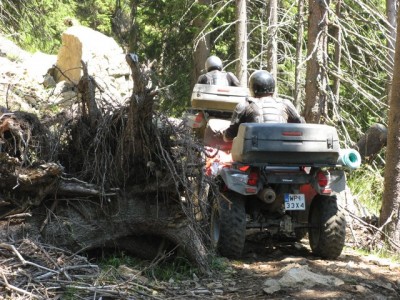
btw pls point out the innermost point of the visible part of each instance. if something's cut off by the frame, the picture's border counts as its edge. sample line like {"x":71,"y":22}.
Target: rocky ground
{"x":278,"y":270}
{"x":268,"y":270}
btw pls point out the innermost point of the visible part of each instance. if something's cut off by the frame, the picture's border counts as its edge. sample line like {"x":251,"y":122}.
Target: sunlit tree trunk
{"x":272,"y":49}
{"x":201,"y":44}
{"x":391,"y":8}
{"x":338,"y":56}
{"x":390,"y":212}
{"x":299,"y":49}
{"x":133,"y":31}
{"x":315,"y":109}
{"x":241,"y":42}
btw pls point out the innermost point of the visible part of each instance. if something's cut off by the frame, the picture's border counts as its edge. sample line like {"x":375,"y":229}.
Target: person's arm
{"x":232,"y":79}
{"x":293,"y":114}
{"x":230,"y":133}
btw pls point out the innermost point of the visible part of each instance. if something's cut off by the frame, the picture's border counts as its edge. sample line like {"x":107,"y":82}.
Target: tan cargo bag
{"x":214,"y":97}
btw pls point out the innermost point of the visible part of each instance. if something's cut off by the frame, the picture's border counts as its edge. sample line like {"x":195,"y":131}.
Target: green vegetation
{"x":382,"y":252}
{"x":366,"y":185}
{"x":118,"y":259}
{"x":178,"y":268}
{"x":23,"y":21}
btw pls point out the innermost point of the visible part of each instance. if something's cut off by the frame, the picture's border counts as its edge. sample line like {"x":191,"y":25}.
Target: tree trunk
{"x":299,"y":49}
{"x":390,"y":212}
{"x":391,"y":8}
{"x":133,"y":30}
{"x":272,"y":50}
{"x":241,"y":42}
{"x":315,"y":109}
{"x":338,"y":58}
{"x":202,"y":44}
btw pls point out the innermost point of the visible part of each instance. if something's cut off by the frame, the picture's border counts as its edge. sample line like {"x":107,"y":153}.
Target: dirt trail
{"x":288,"y":270}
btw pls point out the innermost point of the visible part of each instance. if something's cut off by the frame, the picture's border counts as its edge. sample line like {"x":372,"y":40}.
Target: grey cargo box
{"x":286,"y":144}
{"x":214,"y":97}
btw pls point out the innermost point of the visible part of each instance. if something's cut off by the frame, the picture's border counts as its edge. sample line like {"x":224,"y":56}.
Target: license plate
{"x":295,"y":202}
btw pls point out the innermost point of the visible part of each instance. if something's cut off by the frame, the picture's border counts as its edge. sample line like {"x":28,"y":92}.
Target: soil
{"x":263,"y":271}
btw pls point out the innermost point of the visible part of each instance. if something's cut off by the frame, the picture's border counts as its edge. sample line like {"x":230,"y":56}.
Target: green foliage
{"x":96,"y":14}
{"x":118,"y":259}
{"x":382,"y":252}
{"x":366,"y":184}
{"x":178,"y":269}
{"x":70,"y":293}
{"x":24,"y":20}
{"x":25,"y":23}
{"x":219,"y":264}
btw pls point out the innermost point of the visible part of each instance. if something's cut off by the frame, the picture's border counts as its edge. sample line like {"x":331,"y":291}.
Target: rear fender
{"x":236,"y":180}
{"x":336,"y":182}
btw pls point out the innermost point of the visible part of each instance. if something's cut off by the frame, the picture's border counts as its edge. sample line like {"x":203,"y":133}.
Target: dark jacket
{"x":262,"y":110}
{"x":217,"y":77}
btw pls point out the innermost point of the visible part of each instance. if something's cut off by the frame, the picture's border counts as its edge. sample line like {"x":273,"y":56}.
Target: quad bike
{"x":280,"y":178}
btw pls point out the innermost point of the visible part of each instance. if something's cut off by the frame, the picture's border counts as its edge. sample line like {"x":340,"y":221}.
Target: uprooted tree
{"x":121,"y":177}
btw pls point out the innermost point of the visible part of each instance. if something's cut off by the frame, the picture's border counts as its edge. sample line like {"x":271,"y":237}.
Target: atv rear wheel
{"x":328,"y":227}
{"x":228,"y":225}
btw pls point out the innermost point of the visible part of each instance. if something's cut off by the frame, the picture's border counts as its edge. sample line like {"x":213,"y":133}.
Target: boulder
{"x":39,"y":65}
{"x":103,"y":57}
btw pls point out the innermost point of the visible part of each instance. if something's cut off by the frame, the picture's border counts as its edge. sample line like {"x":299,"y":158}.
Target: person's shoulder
{"x":250,"y":99}
{"x":283,"y":100}
{"x":202,"y":78}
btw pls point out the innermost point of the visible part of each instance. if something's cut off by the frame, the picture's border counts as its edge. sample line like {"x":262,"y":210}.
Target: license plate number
{"x":295,"y":202}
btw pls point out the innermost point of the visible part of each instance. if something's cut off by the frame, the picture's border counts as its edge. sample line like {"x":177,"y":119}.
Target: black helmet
{"x":213,"y":63}
{"x":261,"y":82}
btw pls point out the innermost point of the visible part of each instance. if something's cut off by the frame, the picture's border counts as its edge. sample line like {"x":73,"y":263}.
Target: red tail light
{"x":253,"y":178}
{"x":244,"y":168}
{"x":322,"y":179}
{"x":199,"y":117}
{"x":292,"y":133}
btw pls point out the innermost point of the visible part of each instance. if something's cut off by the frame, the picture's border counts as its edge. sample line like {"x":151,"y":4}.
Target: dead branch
{"x":18,"y":290}
{"x":87,"y":87}
{"x":374,"y":229}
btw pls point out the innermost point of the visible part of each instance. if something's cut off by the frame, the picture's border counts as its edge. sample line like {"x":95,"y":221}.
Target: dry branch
{"x":377,"y":233}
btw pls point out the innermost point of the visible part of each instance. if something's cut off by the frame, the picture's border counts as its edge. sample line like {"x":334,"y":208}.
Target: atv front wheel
{"x":328,"y":227}
{"x":228,"y":225}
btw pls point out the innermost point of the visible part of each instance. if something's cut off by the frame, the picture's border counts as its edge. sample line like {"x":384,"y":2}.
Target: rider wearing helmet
{"x":262,"y":106}
{"x":215,"y":75}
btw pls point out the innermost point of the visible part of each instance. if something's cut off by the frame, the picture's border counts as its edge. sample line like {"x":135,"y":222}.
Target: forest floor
{"x":269,"y":269}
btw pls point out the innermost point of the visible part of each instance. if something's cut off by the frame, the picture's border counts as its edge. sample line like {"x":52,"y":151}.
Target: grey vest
{"x":217,"y":78}
{"x":270,"y":110}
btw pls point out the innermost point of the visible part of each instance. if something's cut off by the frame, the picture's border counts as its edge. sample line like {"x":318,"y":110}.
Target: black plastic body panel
{"x":286,"y":144}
